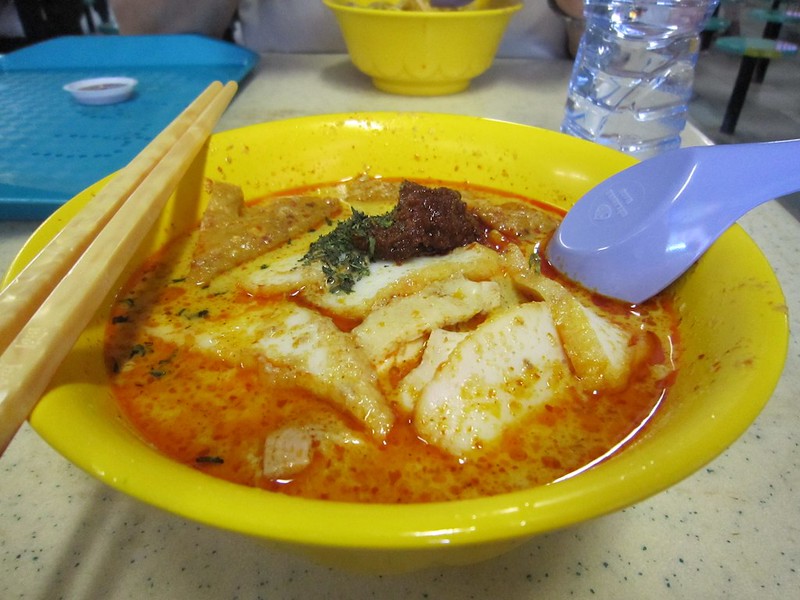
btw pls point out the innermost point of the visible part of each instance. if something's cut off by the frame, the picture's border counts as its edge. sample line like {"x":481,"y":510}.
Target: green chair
{"x":775,"y":18}
{"x":715,"y":25}
{"x":752,"y":50}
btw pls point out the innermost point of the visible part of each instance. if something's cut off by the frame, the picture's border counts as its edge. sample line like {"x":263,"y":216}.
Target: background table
{"x":730,"y":531}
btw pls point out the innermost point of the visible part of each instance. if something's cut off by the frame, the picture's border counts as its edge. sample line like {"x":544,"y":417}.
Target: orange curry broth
{"x":214,"y":417}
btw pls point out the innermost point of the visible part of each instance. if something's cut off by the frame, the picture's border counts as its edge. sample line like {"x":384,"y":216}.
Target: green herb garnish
{"x":200,"y":314}
{"x":343,"y":262}
{"x":535,"y":262}
{"x":138,"y":350}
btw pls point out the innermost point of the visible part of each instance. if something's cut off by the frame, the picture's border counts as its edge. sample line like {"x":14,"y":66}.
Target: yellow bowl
{"x":733,"y":329}
{"x":422,"y":53}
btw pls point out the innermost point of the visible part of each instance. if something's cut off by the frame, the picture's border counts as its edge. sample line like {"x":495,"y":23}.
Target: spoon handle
{"x":634,"y":233}
{"x":747,"y":175}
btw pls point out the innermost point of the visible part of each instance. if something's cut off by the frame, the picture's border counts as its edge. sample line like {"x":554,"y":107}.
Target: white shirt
{"x":309,"y":26}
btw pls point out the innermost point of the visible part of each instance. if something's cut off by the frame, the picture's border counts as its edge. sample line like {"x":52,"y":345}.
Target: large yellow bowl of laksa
{"x":342,"y":337}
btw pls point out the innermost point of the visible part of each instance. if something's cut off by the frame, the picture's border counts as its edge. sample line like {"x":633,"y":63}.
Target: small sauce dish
{"x":102,"y":90}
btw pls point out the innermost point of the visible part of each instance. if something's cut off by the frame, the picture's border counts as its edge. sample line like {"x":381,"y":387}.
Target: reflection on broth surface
{"x":300,"y":363}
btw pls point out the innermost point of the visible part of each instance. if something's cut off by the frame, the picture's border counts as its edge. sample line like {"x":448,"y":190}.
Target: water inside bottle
{"x":633,"y":76}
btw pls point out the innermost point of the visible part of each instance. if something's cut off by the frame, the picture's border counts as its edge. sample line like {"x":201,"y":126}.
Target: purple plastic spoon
{"x":638,"y":231}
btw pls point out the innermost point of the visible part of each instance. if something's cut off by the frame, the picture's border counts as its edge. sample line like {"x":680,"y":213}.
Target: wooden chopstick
{"x":48,"y":327}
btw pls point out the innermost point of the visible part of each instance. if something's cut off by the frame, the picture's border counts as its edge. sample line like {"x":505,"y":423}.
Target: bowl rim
{"x":377,"y":12}
{"x":614,"y":484}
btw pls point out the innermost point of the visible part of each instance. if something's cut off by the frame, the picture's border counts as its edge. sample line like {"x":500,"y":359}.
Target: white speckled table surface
{"x":730,"y":531}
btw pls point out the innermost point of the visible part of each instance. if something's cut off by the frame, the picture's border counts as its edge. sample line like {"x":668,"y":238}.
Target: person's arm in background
{"x":209,"y":17}
{"x":572,"y":11}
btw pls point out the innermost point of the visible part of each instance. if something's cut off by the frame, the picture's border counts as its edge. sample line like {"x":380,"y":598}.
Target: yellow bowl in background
{"x":427,"y":53}
{"x":733,"y":331}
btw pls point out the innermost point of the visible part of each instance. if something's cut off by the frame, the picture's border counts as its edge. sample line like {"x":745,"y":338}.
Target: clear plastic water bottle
{"x":633,"y":73}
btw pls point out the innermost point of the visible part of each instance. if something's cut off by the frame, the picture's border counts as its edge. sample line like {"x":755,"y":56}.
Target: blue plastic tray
{"x":51,"y":147}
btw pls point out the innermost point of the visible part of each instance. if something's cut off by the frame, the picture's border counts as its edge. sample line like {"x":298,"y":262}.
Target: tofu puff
{"x":448,"y":376}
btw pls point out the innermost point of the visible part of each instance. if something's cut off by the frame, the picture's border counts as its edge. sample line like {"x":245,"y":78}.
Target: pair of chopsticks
{"x":46,"y":307}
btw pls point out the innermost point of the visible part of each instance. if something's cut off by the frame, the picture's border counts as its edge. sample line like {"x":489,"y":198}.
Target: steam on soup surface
{"x":273,"y":346}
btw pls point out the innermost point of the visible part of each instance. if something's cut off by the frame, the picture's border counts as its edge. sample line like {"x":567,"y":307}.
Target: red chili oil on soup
{"x":213,"y":410}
